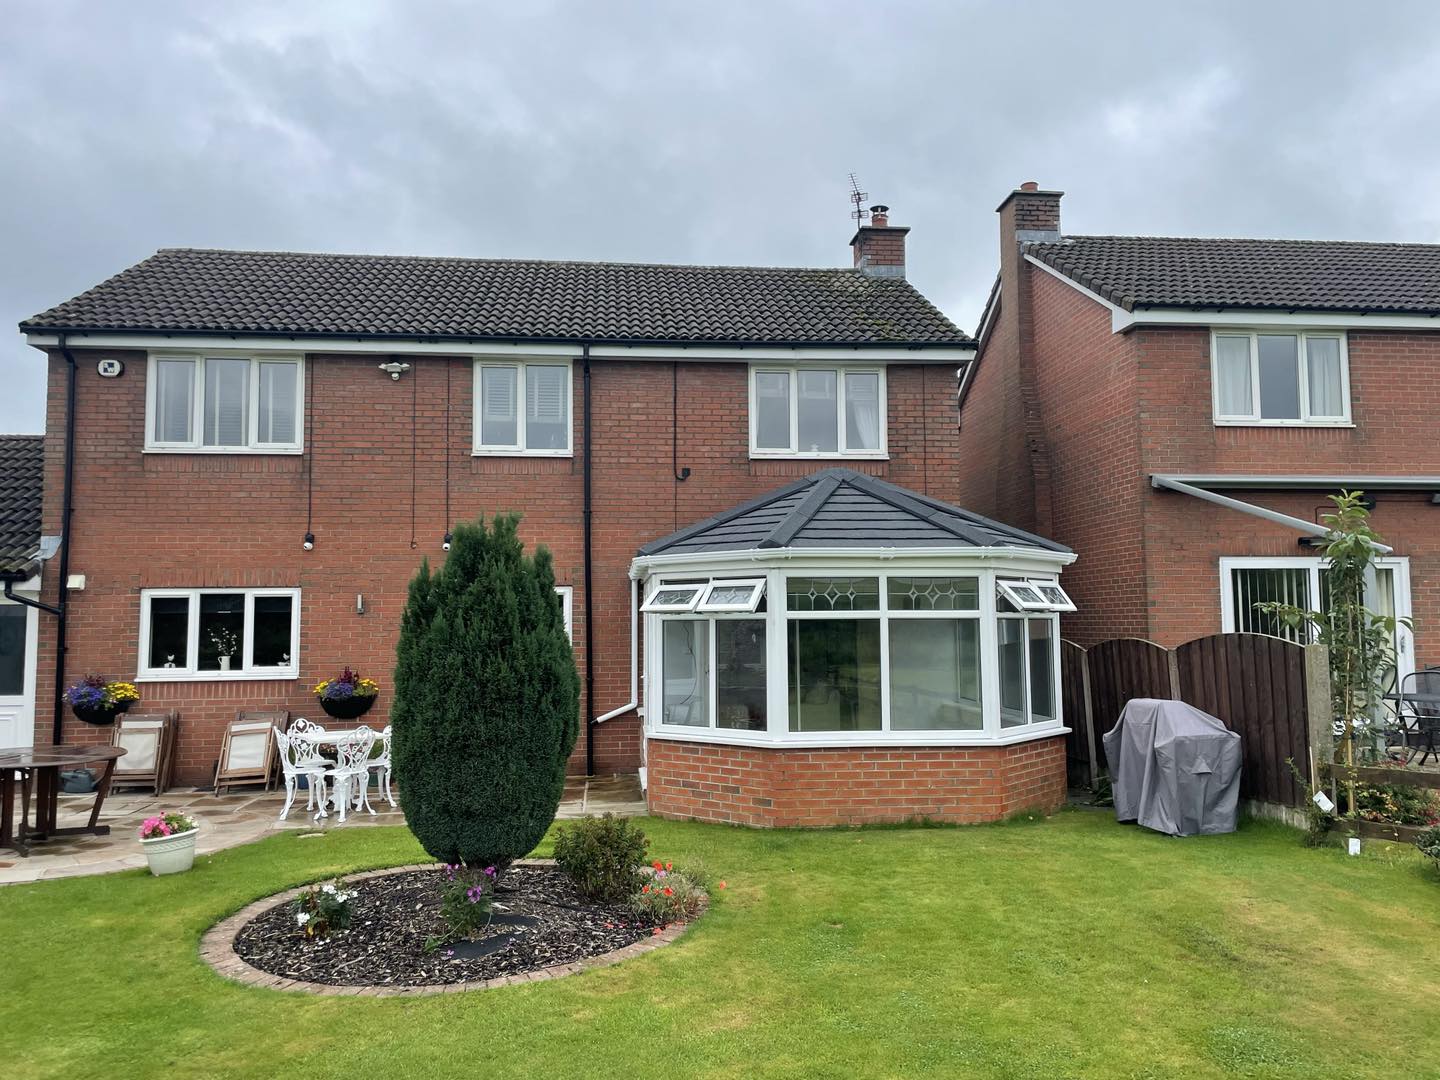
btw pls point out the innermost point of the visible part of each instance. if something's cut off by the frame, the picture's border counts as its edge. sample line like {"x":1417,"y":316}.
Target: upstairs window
{"x":522,"y":408}
{"x":817,"y":412}
{"x":224,"y":404}
{"x":1280,"y":378}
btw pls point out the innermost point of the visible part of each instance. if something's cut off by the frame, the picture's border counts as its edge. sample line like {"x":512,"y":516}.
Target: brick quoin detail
{"x":216,"y":520}
{"x":778,"y":786}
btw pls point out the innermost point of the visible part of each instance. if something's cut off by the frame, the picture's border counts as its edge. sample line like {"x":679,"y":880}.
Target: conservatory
{"x":845,"y":650}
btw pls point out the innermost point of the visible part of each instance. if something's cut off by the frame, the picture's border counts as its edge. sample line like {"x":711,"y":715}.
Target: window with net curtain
{"x":1277,"y":377}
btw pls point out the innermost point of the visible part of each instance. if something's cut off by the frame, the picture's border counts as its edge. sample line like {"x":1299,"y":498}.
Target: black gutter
{"x":11,"y":578}
{"x":588,"y":560}
{"x":500,"y":339}
{"x":66,"y":515}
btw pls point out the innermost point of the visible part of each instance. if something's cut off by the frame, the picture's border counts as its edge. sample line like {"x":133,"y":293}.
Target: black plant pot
{"x":101,"y":717}
{"x":350,"y":708}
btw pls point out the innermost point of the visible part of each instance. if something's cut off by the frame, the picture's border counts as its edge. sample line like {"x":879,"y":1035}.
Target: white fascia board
{"x":1023,"y":560}
{"x":1298,"y":320}
{"x":1120,"y":319}
{"x":609,"y":351}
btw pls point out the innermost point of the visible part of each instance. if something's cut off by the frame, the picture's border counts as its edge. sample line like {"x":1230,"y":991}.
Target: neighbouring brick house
{"x":1177,"y":411}
{"x":230,"y":405}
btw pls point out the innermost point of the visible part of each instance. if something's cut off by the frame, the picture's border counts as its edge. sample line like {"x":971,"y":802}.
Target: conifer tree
{"x":487,"y":700}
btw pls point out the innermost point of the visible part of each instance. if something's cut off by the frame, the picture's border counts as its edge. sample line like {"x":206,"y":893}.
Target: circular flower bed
{"x":542,"y":928}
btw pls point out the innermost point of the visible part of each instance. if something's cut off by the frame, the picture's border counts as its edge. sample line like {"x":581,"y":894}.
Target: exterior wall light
{"x":445,"y":545}
{"x":309,"y":543}
{"x":394,"y":369}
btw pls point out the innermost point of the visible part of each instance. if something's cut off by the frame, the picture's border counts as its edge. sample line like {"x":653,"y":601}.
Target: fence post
{"x":1173,"y":662}
{"x":1090,"y":748}
{"x":1318,"y":711}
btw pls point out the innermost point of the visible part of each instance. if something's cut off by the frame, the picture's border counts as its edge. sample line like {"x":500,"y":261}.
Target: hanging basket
{"x":101,"y":717}
{"x":350,"y":708}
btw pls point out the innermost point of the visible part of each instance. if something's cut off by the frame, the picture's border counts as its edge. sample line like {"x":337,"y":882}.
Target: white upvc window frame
{"x":777,"y":617}
{"x":792,"y":372}
{"x":1303,"y":336}
{"x":191,"y":671}
{"x":567,"y":608}
{"x":195,"y":444}
{"x":697,"y":589}
{"x":521,"y":367}
{"x":710,"y":606}
{"x":1014,"y":590}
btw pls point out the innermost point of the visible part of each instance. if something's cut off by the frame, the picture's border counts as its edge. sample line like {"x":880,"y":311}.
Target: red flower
{"x":655,"y":932}
{"x":669,"y":891}
{"x":644,"y":888}
{"x":657,"y":866}
{"x":668,"y":867}
{"x":722,"y":884}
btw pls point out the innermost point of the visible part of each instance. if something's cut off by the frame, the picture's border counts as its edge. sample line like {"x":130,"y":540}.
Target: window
{"x":1027,"y":669}
{"x":224,"y":404}
{"x":1280,"y":378}
{"x":1029,"y":595}
{"x":817,"y":412}
{"x":685,"y":671}
{"x":522,"y":408}
{"x":673,"y":598}
{"x":219,"y":633}
{"x":567,"y":608}
{"x":12,"y":650}
{"x":739,"y":595}
{"x":1300,"y":582}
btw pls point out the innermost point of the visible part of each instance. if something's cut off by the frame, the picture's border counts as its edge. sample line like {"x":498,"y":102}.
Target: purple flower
{"x":489,"y":871}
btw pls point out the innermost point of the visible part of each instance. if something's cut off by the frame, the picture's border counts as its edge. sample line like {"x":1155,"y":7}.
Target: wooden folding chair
{"x":247,"y":754}
{"x":149,"y":741}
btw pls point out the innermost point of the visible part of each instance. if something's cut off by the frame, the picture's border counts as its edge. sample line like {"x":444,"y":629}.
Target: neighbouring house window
{"x":219,"y":633}
{"x":12,"y":650}
{"x":224,"y":403}
{"x":1246,"y":582}
{"x":1280,"y":378}
{"x":817,"y":412}
{"x":522,"y":408}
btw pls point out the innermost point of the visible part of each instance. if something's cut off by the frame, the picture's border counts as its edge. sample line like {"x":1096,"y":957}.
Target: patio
{"x":241,"y":818}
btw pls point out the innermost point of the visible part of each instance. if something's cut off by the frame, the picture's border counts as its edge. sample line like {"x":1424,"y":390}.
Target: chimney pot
{"x":1029,"y":185}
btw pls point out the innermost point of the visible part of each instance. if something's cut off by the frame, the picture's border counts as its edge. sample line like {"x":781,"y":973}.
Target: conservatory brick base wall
{"x":768,"y":786}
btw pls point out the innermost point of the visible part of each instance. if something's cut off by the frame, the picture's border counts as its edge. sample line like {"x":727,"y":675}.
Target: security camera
{"x":445,"y":545}
{"x":309,"y":544}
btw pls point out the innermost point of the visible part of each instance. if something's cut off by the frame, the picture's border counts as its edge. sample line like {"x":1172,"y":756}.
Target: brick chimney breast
{"x":1030,"y":214}
{"x":879,"y":247}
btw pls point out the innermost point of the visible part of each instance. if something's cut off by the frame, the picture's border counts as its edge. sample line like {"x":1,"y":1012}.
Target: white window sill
{"x":1286,"y":423}
{"x":785,"y":455}
{"x":523,"y":453}
{"x":224,"y":450}
{"x":868,"y":739}
{"x":267,"y":675}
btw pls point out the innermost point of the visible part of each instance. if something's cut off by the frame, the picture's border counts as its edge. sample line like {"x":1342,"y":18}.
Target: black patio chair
{"x":1422,"y":724}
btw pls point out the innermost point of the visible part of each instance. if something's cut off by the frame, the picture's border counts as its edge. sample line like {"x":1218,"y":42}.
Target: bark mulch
{"x":540,"y":921}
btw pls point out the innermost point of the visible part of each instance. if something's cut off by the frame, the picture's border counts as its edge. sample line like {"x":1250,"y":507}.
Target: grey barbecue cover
{"x":1174,"y":768}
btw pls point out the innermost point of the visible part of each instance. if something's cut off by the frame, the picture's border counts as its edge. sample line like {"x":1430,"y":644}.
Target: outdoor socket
{"x":1322,"y":800}
{"x":1353,"y":845}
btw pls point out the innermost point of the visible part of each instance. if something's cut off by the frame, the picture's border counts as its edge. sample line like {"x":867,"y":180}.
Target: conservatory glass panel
{"x":740,"y":686}
{"x":935,"y":675}
{"x":685,"y":671}
{"x":834,"y":674}
{"x":833,"y":594}
{"x":1011,"y":636}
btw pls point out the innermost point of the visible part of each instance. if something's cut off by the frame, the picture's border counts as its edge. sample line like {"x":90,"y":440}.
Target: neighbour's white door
{"x":19,"y":628}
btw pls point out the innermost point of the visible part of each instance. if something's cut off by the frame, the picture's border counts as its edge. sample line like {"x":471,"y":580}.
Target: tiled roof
{"x":184,"y":289}
{"x":21,"y":474}
{"x":841,"y":508}
{"x":1291,"y":275}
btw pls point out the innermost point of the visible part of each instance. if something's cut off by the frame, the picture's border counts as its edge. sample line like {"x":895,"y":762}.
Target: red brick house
{"x":265,"y":445}
{"x":1177,"y":410}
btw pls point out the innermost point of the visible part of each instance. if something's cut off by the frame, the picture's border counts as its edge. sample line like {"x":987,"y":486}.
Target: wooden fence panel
{"x":1121,"y":669}
{"x":1257,"y":685}
{"x":1074,"y":699}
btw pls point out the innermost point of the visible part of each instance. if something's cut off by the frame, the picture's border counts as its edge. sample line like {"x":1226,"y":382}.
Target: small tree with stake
{"x":1360,"y":641}
{"x":487,"y":700}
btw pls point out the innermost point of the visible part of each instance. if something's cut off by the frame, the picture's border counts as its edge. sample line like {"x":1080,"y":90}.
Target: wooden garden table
{"x":39,"y":766}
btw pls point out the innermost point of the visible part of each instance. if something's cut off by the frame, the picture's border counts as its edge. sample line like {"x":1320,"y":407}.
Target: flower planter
{"x":350,"y":708}
{"x":102,"y":717}
{"x":170,"y":854}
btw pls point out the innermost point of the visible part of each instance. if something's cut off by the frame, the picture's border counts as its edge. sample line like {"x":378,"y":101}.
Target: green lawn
{"x":1050,"y":948}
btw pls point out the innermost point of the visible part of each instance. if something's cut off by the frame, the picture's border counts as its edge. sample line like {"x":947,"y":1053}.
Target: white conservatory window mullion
{"x":777,"y":658}
{"x":989,"y":657}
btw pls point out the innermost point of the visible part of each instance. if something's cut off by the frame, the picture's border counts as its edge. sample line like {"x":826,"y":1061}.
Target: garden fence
{"x":1274,"y":693}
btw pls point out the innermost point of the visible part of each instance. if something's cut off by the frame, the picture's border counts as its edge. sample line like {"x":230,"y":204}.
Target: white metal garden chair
{"x":351,"y":767}
{"x":298,"y":757}
{"x":381,"y":764}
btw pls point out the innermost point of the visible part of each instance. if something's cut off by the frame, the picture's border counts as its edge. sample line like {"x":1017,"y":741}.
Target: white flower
{"x":301,"y":918}
{"x":327,"y":887}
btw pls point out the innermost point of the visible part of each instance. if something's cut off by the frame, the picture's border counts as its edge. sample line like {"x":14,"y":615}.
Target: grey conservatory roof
{"x":842,"y":508}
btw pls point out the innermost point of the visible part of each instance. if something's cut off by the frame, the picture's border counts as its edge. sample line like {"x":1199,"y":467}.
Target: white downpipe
{"x":634,"y":656}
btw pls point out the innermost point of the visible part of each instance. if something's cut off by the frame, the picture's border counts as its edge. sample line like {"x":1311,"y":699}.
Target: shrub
{"x":1429,"y":843}
{"x":1397,"y":804}
{"x":467,"y":899}
{"x":669,"y":896}
{"x":602,"y":856}
{"x":486,"y":701}
{"x":323,"y":909}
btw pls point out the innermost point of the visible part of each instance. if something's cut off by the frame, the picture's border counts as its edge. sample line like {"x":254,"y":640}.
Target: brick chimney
{"x":879,"y":247}
{"x":1029,"y":214}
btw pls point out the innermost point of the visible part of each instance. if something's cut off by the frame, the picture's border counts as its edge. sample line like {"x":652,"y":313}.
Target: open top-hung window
{"x":522,"y":408}
{"x":224,"y":404}
{"x":817,"y":412}
{"x":1034,"y":595}
{"x":1281,"y":378}
{"x":219,"y":633}
{"x":722,"y":595}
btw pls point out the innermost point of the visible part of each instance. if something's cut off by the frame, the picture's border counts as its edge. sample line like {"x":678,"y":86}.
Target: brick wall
{"x":780,"y":787}
{"x":197,"y":520}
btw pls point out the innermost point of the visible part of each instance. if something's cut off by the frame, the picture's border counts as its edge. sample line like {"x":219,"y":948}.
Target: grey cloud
{"x":689,"y":133}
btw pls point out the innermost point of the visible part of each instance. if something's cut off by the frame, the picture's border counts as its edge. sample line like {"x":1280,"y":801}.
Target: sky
{"x":718,"y":133}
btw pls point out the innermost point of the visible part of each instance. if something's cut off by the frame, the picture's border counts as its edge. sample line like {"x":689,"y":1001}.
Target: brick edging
{"x":217,"y":949}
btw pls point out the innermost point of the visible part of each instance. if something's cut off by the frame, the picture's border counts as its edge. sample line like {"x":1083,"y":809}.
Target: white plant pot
{"x":170,"y":854}
{"x":224,"y":663}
